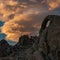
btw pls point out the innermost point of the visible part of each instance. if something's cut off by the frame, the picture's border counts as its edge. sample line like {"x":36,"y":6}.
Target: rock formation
{"x":48,"y":44}
{"x":5,"y":48}
{"x":52,"y":38}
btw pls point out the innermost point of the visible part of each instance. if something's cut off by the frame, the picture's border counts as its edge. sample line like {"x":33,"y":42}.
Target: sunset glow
{"x":25,"y":16}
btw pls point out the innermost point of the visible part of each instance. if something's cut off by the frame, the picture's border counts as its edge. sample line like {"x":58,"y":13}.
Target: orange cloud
{"x":19,"y":17}
{"x":24,"y":17}
{"x":12,"y":28}
{"x":53,"y":4}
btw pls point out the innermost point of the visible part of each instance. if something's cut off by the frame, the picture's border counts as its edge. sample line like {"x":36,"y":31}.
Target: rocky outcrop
{"x":48,"y":44}
{"x":5,"y":48}
{"x":52,"y":38}
{"x":19,"y":49}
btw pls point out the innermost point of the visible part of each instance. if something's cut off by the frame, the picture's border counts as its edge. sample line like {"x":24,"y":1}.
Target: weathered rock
{"x":47,"y":47}
{"x":20,"y":49}
{"x":5,"y":48}
{"x":52,"y":37}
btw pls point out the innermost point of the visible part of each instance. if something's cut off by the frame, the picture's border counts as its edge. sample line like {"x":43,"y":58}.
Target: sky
{"x":24,"y":16}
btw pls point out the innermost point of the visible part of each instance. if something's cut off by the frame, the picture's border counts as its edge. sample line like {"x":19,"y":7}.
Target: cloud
{"x":24,"y":16}
{"x":53,"y":4}
{"x":21,"y":24}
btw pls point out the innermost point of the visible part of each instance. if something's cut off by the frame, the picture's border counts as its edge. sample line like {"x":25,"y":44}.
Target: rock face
{"x":5,"y":48}
{"x":47,"y":46}
{"x":24,"y":43}
{"x":44,"y":47}
{"x":52,"y":36}
{"x":19,"y":49}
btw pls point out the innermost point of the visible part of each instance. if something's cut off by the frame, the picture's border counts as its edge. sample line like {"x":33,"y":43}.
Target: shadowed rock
{"x":48,"y":43}
{"x":51,"y":43}
{"x":5,"y":48}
